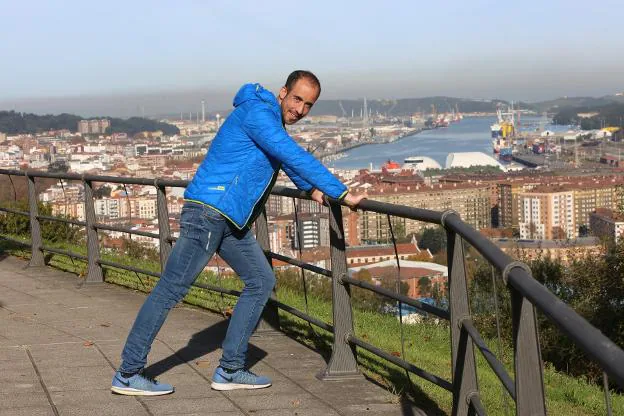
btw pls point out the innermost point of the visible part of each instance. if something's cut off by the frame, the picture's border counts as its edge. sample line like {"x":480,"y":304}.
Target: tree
{"x":583,"y":230}
{"x":439,"y":294}
{"x":102,"y":192}
{"x":434,"y":239}
{"x":559,"y":234}
{"x":398,"y":228}
{"x":138,"y":250}
{"x":619,"y":194}
{"x":424,"y":286}
{"x":532,"y":230}
{"x":441,"y":257}
{"x":12,"y":122}
{"x":58,"y":166}
{"x":591,"y":285}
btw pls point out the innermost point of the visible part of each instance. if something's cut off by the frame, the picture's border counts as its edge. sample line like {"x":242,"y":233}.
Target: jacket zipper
{"x":263,"y":197}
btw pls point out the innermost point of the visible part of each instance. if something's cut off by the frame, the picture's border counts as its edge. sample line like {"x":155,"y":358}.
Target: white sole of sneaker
{"x":135,"y":392}
{"x":234,"y":386}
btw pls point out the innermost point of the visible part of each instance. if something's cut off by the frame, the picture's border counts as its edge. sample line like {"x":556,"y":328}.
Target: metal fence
{"x":526,"y":387}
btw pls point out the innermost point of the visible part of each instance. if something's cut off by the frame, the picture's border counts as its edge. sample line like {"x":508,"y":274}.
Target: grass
{"x":427,"y":345}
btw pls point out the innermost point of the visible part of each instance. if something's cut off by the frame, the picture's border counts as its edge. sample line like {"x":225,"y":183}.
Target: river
{"x":472,"y":134}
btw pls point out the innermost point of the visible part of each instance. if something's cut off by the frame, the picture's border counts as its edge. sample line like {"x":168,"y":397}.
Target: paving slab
{"x":61,"y":340}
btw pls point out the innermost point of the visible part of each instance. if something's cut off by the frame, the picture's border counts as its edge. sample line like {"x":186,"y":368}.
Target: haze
{"x":138,"y":57}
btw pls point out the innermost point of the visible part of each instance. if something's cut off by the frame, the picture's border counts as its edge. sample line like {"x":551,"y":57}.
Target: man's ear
{"x":282,"y":93}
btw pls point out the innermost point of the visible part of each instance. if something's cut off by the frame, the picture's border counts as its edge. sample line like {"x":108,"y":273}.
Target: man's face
{"x":297,"y":102}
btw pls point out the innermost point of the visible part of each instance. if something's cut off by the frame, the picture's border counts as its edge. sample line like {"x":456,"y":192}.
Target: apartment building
{"x":470,"y":199}
{"x":589,"y":194}
{"x":606,"y":223}
{"x":70,"y":209}
{"x":143,"y":207}
{"x":546,"y":215}
{"x":111,"y":208}
{"x":93,"y":126}
{"x":313,"y":229}
{"x":588,"y":198}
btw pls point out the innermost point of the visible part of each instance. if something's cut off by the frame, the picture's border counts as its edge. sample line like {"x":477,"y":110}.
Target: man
{"x":225,"y":196}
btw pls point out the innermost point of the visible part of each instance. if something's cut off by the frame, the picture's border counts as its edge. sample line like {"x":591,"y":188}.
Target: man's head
{"x":298,"y":95}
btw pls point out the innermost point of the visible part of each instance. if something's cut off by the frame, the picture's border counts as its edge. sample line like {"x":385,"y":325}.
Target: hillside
{"x":611,"y":114}
{"x":576,"y":102}
{"x":12,"y":122}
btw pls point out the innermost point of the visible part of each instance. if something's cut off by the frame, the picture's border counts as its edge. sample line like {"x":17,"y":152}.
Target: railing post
{"x":270,"y":317}
{"x":527,"y":355}
{"x":94,"y":271}
{"x":462,"y":350}
{"x":36,"y":257}
{"x":342,"y":364}
{"x":164,"y":231}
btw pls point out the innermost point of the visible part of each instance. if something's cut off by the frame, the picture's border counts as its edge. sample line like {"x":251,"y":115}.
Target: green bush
{"x":51,"y":231}
{"x":591,"y":285}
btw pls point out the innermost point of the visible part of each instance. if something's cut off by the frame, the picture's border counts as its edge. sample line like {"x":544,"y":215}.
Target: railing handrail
{"x":599,"y":347}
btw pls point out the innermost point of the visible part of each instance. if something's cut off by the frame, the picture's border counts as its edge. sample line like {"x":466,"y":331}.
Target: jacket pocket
{"x":228,"y":189}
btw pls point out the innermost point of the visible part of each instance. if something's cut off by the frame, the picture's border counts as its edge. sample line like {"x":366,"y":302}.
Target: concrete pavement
{"x":60,"y":342}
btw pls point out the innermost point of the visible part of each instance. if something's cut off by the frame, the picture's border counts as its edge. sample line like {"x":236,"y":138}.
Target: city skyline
{"x":132,"y":58}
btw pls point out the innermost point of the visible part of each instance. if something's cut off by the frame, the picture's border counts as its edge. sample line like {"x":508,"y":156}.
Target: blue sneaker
{"x":241,"y":379}
{"x":139,"y":385}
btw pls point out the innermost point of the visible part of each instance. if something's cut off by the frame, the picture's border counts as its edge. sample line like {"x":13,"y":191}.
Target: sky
{"x":136,"y":57}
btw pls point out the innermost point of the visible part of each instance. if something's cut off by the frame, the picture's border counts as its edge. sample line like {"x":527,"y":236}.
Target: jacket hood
{"x":255,"y":92}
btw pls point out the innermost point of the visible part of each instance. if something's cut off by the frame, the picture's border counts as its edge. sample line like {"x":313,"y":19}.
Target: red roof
{"x":406,"y":272}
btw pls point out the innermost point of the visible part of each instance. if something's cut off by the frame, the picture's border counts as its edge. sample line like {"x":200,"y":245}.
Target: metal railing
{"x":526,"y":388}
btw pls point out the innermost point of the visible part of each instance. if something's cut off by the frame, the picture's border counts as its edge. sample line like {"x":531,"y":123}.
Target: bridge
{"x":64,"y":333}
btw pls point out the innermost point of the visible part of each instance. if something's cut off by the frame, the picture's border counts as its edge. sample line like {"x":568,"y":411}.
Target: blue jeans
{"x":203,"y":231}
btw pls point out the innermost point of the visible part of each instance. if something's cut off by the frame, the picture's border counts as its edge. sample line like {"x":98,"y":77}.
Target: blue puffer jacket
{"x":241,"y":166}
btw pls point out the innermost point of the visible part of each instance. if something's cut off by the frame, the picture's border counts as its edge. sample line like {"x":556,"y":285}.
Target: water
{"x":469,"y":135}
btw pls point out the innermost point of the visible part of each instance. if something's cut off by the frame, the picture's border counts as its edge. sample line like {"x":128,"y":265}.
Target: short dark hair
{"x":299,"y":74}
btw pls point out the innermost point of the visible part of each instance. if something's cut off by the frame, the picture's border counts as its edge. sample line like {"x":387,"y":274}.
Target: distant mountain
{"x":593,"y":116}
{"x":553,"y":106}
{"x":13,"y":122}
{"x":407,"y":106}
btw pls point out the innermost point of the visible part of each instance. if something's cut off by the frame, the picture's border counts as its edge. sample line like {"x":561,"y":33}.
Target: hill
{"x":611,"y":114}
{"x":558,"y":104}
{"x":12,"y":122}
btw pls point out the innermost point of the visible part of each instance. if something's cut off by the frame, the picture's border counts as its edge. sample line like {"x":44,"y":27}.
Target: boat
{"x":505,"y":154}
{"x":503,"y":131}
{"x":496,"y":130}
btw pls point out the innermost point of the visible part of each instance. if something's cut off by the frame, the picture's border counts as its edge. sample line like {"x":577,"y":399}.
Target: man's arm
{"x":299,"y":182}
{"x":267,"y":132}
{"x":350,"y":200}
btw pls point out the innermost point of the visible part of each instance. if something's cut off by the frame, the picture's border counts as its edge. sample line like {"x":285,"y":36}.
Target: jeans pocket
{"x":212,"y":214}
{"x":191,"y":221}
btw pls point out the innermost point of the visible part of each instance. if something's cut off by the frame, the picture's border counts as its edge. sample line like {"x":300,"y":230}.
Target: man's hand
{"x":352,"y":201}
{"x":317,"y":196}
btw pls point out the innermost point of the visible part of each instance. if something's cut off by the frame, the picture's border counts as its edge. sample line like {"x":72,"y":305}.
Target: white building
{"x":108,"y":208}
{"x":468,"y":159}
{"x":420,"y":163}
